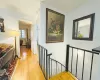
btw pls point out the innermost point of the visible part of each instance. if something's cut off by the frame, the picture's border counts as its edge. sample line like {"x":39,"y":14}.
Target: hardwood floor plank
{"x":28,"y":67}
{"x":63,"y":76}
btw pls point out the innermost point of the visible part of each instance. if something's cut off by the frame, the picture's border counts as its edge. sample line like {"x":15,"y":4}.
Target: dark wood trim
{"x":23,"y":45}
{"x":27,"y":34}
{"x":92,"y":16}
{"x":47,"y":41}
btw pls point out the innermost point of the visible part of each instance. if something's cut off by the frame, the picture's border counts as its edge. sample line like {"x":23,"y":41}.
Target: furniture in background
{"x":21,"y":42}
{"x":28,"y":44}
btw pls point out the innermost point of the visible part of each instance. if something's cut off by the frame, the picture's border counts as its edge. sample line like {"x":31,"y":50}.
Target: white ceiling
{"x":27,"y":8}
{"x":30,"y":8}
{"x":65,"y":5}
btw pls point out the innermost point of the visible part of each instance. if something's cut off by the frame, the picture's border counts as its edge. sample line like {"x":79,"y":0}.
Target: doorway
{"x":25,"y":34}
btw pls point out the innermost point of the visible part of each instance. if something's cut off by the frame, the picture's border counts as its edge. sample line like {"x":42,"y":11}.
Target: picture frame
{"x":2,"y":25}
{"x":83,"y":28}
{"x":54,"y":26}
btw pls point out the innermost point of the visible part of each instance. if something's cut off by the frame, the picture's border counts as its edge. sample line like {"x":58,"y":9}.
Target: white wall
{"x":34,"y":38}
{"x":90,"y":7}
{"x":57,"y":49}
{"x":11,"y":23}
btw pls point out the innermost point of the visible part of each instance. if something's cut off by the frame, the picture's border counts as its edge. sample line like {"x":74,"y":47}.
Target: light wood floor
{"x":63,"y":76}
{"x":28,"y":67}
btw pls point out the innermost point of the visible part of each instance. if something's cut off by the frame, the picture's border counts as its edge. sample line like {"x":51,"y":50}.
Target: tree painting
{"x":54,"y":26}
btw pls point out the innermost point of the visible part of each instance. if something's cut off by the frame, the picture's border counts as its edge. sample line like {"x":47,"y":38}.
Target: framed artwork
{"x":54,"y":26}
{"x":83,"y":28}
{"x":2,"y":25}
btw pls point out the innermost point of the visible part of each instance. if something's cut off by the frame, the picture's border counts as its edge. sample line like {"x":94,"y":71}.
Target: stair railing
{"x":55,"y":67}
{"x":43,"y":53}
{"x":49,"y":66}
{"x":70,"y":50}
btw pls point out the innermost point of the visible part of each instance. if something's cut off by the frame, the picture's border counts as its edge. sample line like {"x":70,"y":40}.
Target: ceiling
{"x":30,"y":8}
{"x":65,"y":5}
{"x":27,"y":8}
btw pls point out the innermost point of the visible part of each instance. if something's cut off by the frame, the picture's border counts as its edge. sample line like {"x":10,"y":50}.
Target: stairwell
{"x":54,"y":70}
{"x":63,"y":76}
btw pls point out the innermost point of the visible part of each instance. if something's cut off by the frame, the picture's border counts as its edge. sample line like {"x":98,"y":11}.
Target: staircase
{"x":63,"y":76}
{"x":54,"y":70}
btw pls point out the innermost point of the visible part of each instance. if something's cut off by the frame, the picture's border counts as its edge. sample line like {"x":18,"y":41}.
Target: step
{"x":63,"y":76}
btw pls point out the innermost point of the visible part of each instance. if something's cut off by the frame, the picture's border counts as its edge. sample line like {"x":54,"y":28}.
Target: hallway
{"x":28,"y":67}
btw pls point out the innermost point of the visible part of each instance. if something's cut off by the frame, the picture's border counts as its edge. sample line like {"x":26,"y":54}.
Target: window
{"x":22,"y":34}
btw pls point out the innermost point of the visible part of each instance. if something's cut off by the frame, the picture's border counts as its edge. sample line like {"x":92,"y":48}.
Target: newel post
{"x":67,"y":57}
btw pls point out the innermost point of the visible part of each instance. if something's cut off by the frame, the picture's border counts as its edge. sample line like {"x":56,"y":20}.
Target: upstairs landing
{"x":63,"y":76}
